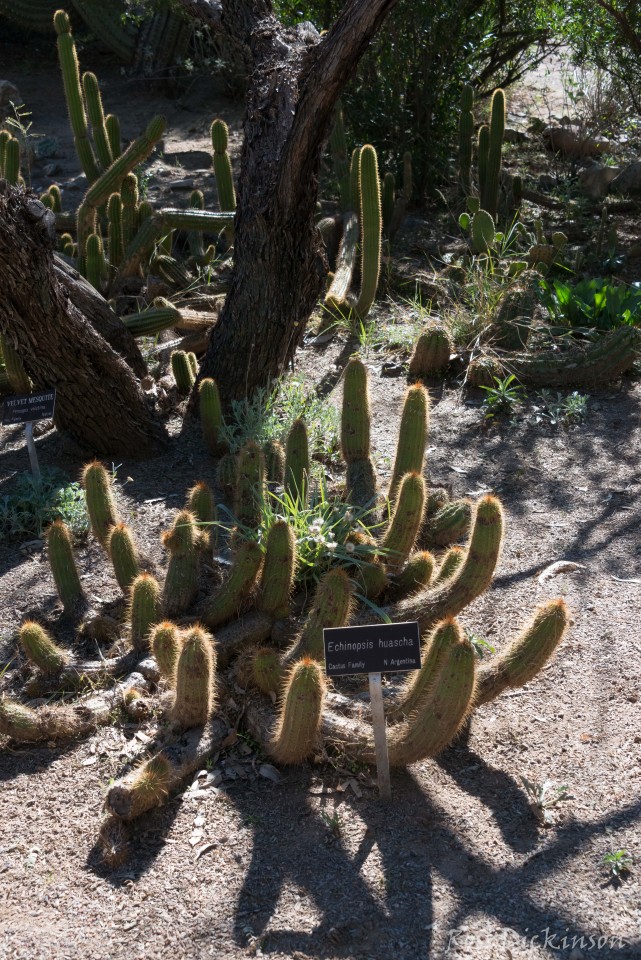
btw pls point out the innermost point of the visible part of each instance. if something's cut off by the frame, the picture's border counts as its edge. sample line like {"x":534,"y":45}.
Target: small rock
{"x":392,"y":369}
{"x":628,"y":181}
{"x":186,"y":184}
{"x":596,"y":180}
{"x":573,"y":143}
{"x":52,"y":169}
{"x":515,"y":136}
{"x":9,"y":94}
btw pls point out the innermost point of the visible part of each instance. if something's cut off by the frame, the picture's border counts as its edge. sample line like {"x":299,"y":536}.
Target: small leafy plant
{"x":617,"y":863}
{"x":543,"y":797}
{"x":562,"y":410}
{"x":33,"y":505}
{"x":595,"y":304}
{"x":481,"y":646}
{"x":503,"y":396}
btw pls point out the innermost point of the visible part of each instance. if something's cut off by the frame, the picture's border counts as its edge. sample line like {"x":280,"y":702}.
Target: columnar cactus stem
{"x":101,"y":505}
{"x":18,"y":377}
{"x":527,"y":654}
{"x":449,"y":524}
{"x":222,"y":166}
{"x":112,"y":126}
{"x":412,"y":436}
{"x":144,"y":610}
{"x":435,"y":650}
{"x":345,"y":261}
{"x":184,"y":542}
{"x":195,"y":680}
{"x":250,"y":483}
{"x":416,"y":574}
{"x":12,"y":161}
{"x":40,"y":649}
{"x":297,"y":466}
{"x":182,"y":371}
{"x":371,"y":224}
{"x":129,"y":198}
{"x":149,"y":322}
{"x":166,"y":642}
{"x":211,"y":417}
{"x":63,"y":566}
{"x":277,"y":577}
{"x":490,"y":195}
{"x":332,"y":607}
{"x":114,"y":235}
{"x":124,"y":558}
{"x":95,"y":261}
{"x":227,"y":600}
{"x":136,"y":152}
{"x":149,"y":785}
{"x":274,"y":462}
{"x":355,"y":421}
{"x":449,"y":565}
{"x":267,"y":671}
{"x":298,"y":724}
{"x":431,"y":353}
{"x":405,"y":523}
{"x":97,"y":119}
{"x":73,"y":93}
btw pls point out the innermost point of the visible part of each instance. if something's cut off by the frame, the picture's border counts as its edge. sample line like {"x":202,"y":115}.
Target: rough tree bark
{"x":296,"y":77}
{"x":99,"y":402}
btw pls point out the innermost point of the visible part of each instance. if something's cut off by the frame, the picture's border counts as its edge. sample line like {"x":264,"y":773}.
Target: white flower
{"x":331,"y":546}
{"x":349,"y":547}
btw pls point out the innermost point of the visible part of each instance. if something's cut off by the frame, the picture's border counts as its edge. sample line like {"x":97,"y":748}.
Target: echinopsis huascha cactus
{"x":267,"y":624}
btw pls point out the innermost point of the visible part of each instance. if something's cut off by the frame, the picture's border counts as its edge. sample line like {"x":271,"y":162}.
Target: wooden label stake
{"x":380,"y":736}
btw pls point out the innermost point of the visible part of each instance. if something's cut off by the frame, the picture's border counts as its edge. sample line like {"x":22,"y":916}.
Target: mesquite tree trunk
{"x":296,"y":77}
{"x":99,"y":400}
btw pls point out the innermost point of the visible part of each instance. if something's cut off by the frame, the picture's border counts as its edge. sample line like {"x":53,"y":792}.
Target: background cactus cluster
{"x":255,"y":631}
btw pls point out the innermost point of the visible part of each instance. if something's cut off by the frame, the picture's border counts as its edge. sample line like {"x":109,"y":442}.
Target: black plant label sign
{"x":375,"y":648}
{"x":28,"y":407}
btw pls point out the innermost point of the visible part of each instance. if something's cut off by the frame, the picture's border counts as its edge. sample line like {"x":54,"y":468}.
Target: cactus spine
{"x":183,"y":372}
{"x":165,"y":642}
{"x":371,"y":225}
{"x":527,"y":654}
{"x":63,"y":566}
{"x":297,"y":462}
{"x":466,"y":133}
{"x":412,"y":436}
{"x":278,"y":570}
{"x":195,"y":680}
{"x":183,"y":542}
{"x":490,"y":193}
{"x":101,"y":505}
{"x":40,"y":649}
{"x":297,"y":729}
{"x":144,"y":610}
{"x":123,"y":555}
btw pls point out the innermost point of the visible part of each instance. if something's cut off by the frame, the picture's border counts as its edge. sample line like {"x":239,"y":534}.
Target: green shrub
{"x":598,"y":304}
{"x":31,"y":506}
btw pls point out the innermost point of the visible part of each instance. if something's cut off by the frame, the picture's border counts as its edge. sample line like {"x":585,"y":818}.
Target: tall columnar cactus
{"x":417,"y":686}
{"x":406,"y":521}
{"x":114,"y":235}
{"x":112,"y":126}
{"x":97,"y":120}
{"x":299,"y":721}
{"x":124,"y":557}
{"x":166,"y":643}
{"x":277,"y":576}
{"x":129,"y":198}
{"x":149,"y":322}
{"x":355,"y":434}
{"x":466,"y":133}
{"x":412,"y":436}
{"x":274,"y":462}
{"x":267,"y":670}
{"x":73,"y":93}
{"x":101,"y":505}
{"x":228,"y":599}
{"x":371,"y":226}
{"x":431,"y":353}
{"x":201,"y":503}
{"x":449,"y":524}
{"x":490,"y":193}
{"x":184,"y":542}
{"x":222,"y":166}
{"x":332,"y":607}
{"x":250,"y":485}
{"x":144,"y":610}
{"x":211,"y":417}
{"x":483,"y":148}
{"x":354,"y":182}
{"x":39,"y":648}
{"x":297,"y":466}
{"x":182,"y":371}
{"x":63,"y":567}
{"x":194,"y":680}
{"x":95,"y":261}
{"x":5,"y":136}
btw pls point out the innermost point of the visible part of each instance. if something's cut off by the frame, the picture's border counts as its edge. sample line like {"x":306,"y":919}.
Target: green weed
{"x":33,"y":505}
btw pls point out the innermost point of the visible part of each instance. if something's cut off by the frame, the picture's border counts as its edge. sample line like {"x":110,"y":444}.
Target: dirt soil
{"x":310,"y":863}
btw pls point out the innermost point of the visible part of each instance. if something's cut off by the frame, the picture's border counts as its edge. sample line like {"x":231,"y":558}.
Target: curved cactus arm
{"x":226,"y":601}
{"x":181,"y":758}
{"x":332,"y":607}
{"x":371,"y":228}
{"x":149,"y":322}
{"x":58,"y":723}
{"x":40,"y":649}
{"x":608,"y":358}
{"x":296,"y":733}
{"x":435,"y":649}
{"x":412,"y":436}
{"x":527,"y":654}
{"x":405,"y":523}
